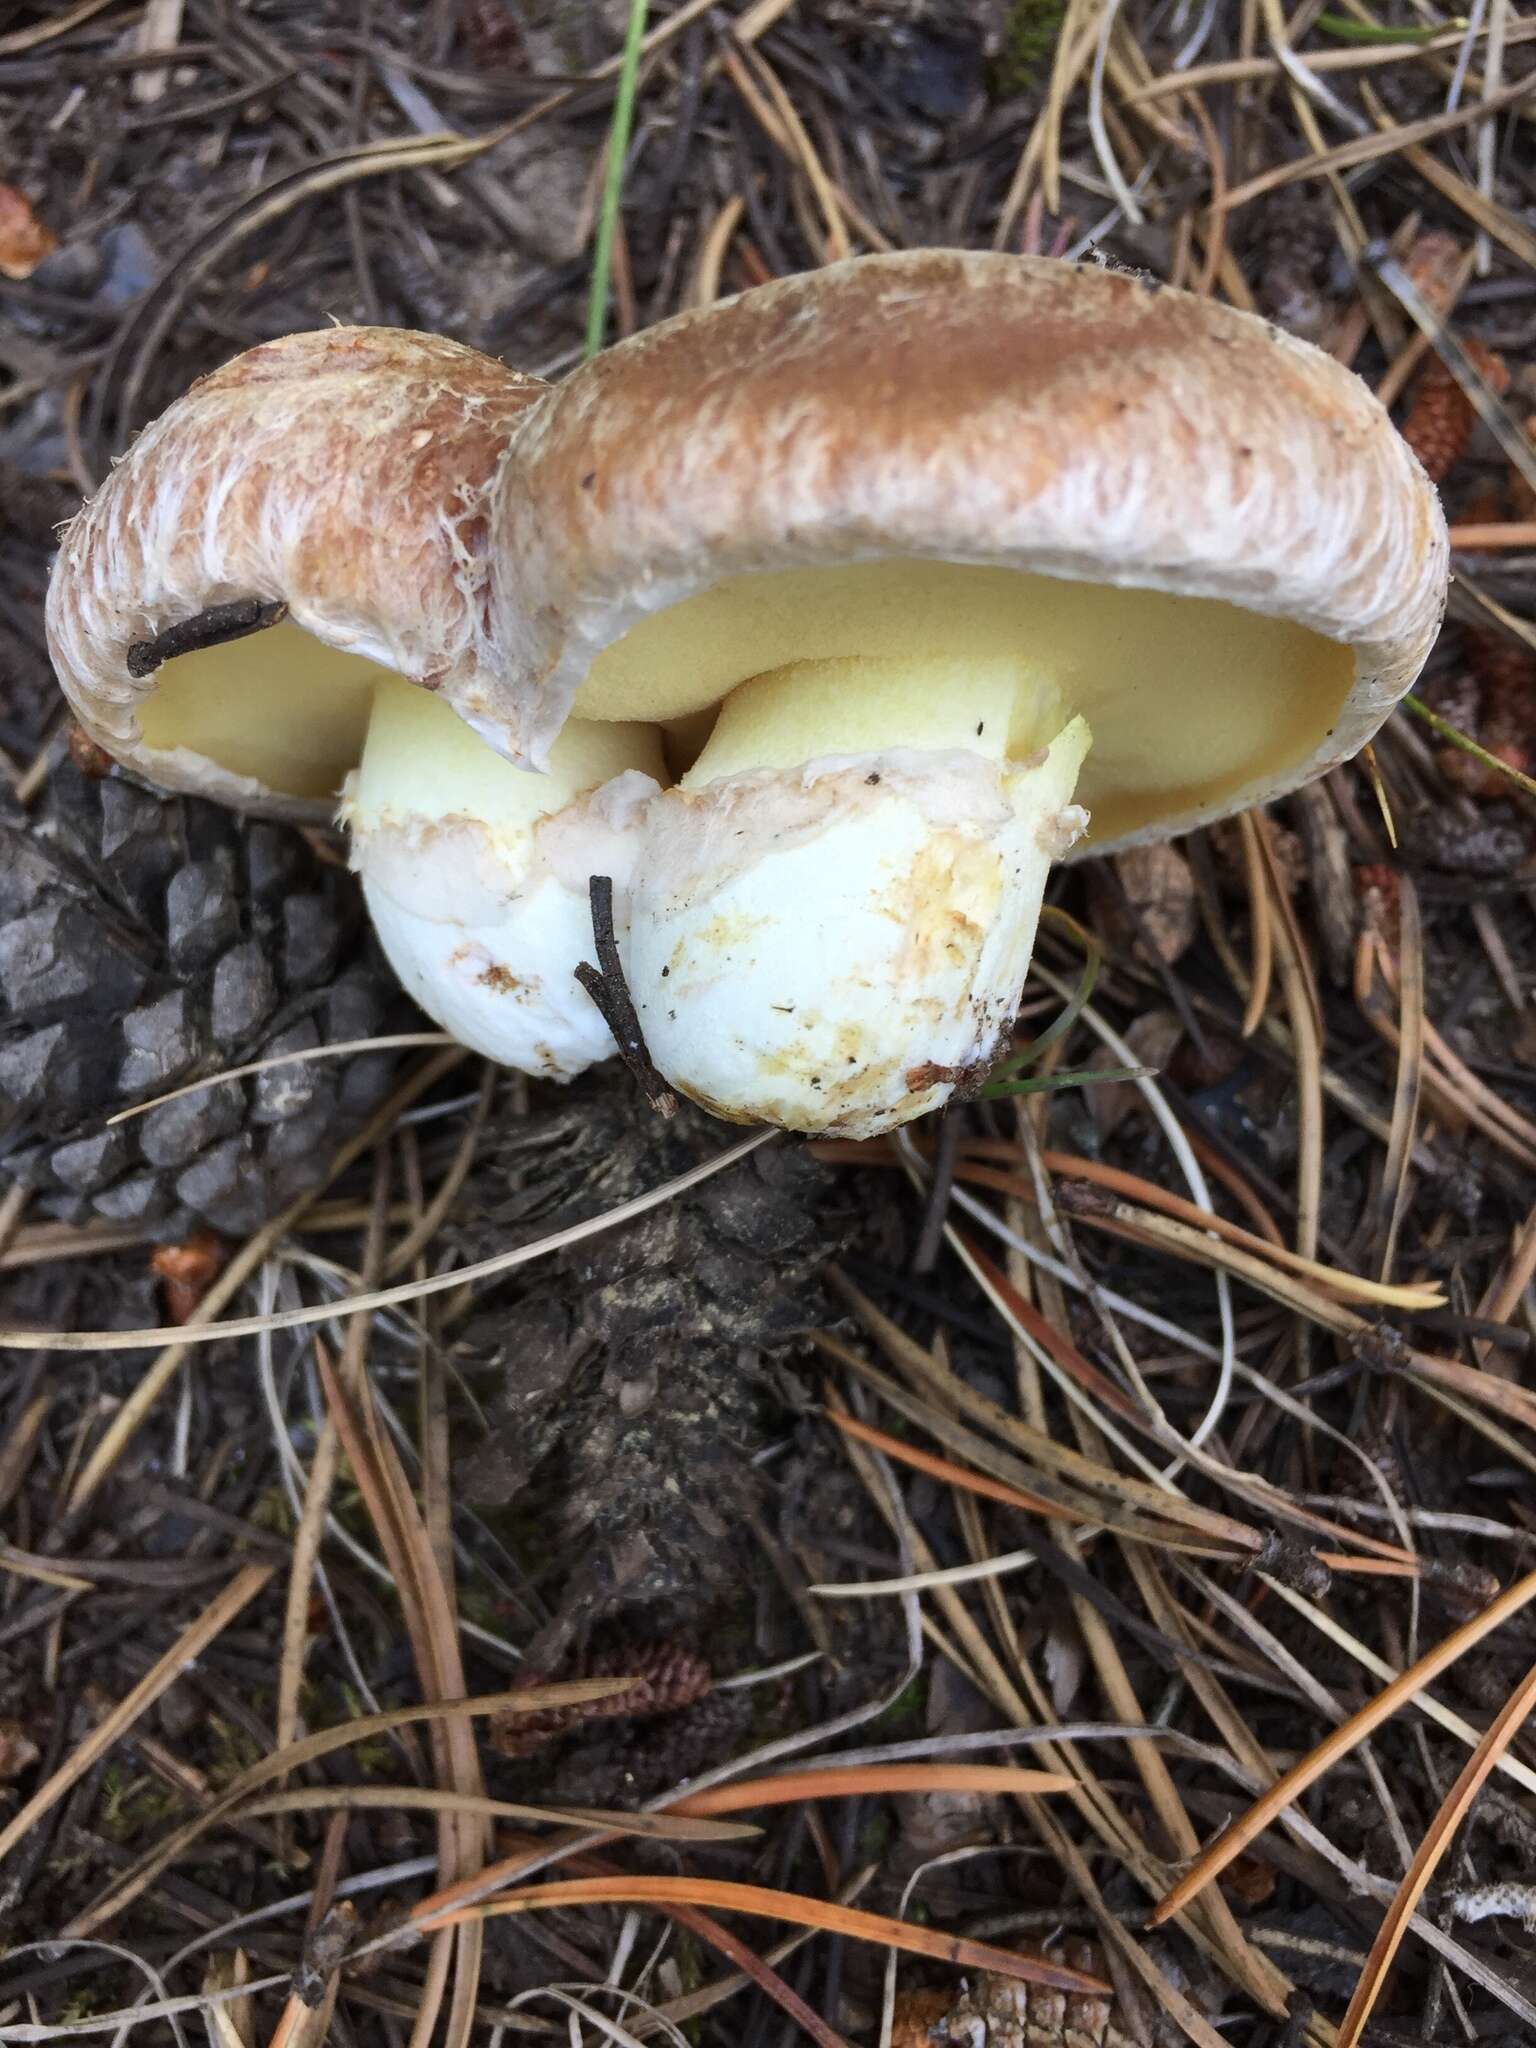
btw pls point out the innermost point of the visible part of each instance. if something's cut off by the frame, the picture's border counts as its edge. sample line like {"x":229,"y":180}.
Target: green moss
{"x":272,"y":1512}
{"x":133,"y":1805}
{"x":481,"y":1606}
{"x":876,"y":1836}
{"x":373,"y":1756}
{"x":1029,"y":43}
{"x":324,"y":1703}
{"x":906,"y":1715}
{"x":234,"y":1751}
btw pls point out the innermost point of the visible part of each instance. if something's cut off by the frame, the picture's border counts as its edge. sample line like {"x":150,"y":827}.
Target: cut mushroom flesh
{"x":829,"y":800}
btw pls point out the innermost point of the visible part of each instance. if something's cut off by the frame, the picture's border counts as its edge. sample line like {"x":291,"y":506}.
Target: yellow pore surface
{"x":1188,"y":698}
{"x":278,"y":706}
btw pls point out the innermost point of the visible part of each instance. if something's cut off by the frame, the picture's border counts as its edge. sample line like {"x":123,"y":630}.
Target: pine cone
{"x":1440,"y":420}
{"x":628,"y":1393}
{"x":1006,"y":2012}
{"x":1505,"y":668}
{"x":628,"y":1765}
{"x":666,"y":1679}
{"x":148,"y":941}
{"x":1495,"y":705}
{"x":1434,"y":266}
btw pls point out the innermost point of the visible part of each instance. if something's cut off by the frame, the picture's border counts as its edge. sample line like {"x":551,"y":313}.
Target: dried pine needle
{"x":772,"y":1905}
{"x":1337,"y":1744}
{"x":1431,"y":1851}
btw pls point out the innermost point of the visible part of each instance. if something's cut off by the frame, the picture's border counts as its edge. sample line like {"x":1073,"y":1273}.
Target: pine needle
{"x":1336,"y":1745}
{"x":1495,"y":533}
{"x":873,"y":1781}
{"x":1349,"y":31}
{"x":278,"y":1764}
{"x":764,"y":1903}
{"x":1437,"y":1839}
{"x":1457,"y":738}
{"x":189,"y":1645}
{"x":955,"y":1475}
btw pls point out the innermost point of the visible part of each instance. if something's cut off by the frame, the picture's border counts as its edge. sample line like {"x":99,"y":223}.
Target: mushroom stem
{"x":831,"y":919}
{"x":475,"y":872}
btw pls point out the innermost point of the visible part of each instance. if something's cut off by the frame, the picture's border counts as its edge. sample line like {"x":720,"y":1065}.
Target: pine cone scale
{"x":148,"y":941}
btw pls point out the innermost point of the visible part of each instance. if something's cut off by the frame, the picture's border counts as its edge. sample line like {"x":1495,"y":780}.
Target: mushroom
{"x":831,"y":613}
{"x":341,"y":484}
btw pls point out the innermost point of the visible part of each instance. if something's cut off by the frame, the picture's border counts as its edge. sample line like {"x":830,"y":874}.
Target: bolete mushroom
{"x":830,"y":613}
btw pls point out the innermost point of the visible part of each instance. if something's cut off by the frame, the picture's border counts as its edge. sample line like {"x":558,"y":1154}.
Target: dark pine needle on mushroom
{"x":824,"y":621}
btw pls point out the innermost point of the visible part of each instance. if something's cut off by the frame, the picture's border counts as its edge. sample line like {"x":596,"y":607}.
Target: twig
{"x":931,"y":1238}
{"x":211,"y":628}
{"x":606,"y":985}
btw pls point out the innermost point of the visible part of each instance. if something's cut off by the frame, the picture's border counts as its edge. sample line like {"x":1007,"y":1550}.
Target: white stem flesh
{"x":476,"y":872}
{"x":831,"y":920}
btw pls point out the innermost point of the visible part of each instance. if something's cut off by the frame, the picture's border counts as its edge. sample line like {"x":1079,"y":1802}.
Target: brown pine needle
{"x":754,"y":1968}
{"x":661,"y":1827}
{"x":1392,"y":1565}
{"x":1362,"y":149}
{"x":1351,"y":1286}
{"x":766,"y":1904}
{"x":761,"y":1973}
{"x":1056,"y":1342}
{"x":1367,"y":56}
{"x":956,"y":1475}
{"x":128,"y":1886}
{"x":873,"y":1781}
{"x":1369,"y":1567}
{"x":1262,"y":972}
{"x":1438,"y":1837}
{"x":1338,"y":1743}
{"x":1496,"y":533}
{"x":190,"y":1644}
{"x":1088,"y":1477}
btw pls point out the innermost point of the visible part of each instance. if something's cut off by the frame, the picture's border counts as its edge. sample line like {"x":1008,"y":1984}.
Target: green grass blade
{"x":1026,"y":1055}
{"x":613,"y":182}
{"x":1457,"y":738}
{"x":1083,"y":1077}
{"x":1349,"y":31}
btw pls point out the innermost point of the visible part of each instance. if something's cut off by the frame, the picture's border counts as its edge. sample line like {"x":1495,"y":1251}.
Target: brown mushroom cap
{"x":1008,"y":414}
{"x":1208,"y":533}
{"x":344,"y":473}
